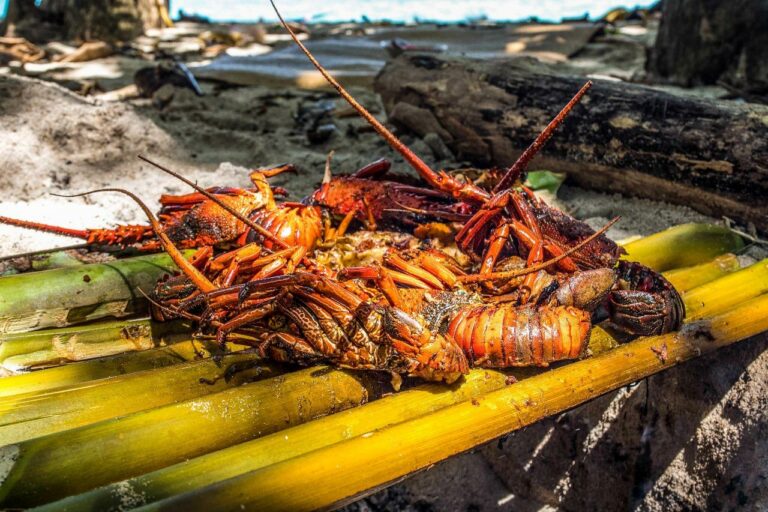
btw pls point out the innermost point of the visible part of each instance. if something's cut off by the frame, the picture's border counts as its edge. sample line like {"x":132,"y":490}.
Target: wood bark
{"x":632,"y":139}
{"x":711,"y":41}
{"x":83,"y":20}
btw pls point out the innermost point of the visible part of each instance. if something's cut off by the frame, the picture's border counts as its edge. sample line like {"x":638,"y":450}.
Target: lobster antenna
{"x":170,"y":309}
{"x":46,"y":228}
{"x":518,"y":168}
{"x":417,"y":163}
{"x":474,"y":278}
{"x":242,"y":218}
{"x":43,"y":251}
{"x":184,"y":265}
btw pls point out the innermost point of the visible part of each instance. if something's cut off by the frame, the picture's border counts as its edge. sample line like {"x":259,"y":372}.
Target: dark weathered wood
{"x":107,"y":20}
{"x":711,"y":41}
{"x":622,"y":137}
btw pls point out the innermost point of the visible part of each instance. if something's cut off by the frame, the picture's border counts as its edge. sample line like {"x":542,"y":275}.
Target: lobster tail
{"x":505,"y":335}
{"x":646,"y":303}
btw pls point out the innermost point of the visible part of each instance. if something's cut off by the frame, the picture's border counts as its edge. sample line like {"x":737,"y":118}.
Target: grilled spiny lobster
{"x":431,"y":331}
{"x":213,"y":217}
{"x":510,"y":219}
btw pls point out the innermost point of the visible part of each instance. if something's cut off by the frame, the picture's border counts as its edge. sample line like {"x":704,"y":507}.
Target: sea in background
{"x":396,"y":10}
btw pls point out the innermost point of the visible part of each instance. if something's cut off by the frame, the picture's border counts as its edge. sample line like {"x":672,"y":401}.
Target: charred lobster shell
{"x":644,"y":303}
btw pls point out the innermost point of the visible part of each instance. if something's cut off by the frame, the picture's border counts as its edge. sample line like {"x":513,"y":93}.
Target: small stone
{"x":163,"y":96}
{"x":438,"y":147}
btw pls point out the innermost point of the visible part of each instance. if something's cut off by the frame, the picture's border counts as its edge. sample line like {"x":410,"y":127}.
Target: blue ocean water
{"x":403,"y":10}
{"x":397,"y":10}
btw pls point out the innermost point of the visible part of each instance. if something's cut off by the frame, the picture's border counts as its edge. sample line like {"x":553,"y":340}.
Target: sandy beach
{"x":56,"y":141}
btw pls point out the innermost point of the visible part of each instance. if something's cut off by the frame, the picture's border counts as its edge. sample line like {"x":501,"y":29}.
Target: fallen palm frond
{"x":337,"y":473}
{"x":66,"y":296}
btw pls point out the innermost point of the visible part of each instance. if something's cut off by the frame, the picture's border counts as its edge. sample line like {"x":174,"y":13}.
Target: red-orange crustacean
{"x":213,"y":217}
{"x":344,"y":325}
{"x":435,"y":331}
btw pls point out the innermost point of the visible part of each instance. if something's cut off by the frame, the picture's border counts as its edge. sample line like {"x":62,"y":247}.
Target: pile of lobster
{"x":444,"y":274}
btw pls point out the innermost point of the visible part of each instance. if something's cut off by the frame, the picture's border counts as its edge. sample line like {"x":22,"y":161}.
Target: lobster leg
{"x":285,"y":347}
{"x":326,"y":286}
{"x":338,"y":322}
{"x":374,"y":169}
{"x":534,"y":234}
{"x":438,"y":265}
{"x":333,"y":340}
{"x":330,"y":234}
{"x":268,"y":172}
{"x":474,"y":227}
{"x":249,"y":259}
{"x":202,"y":256}
{"x":268,"y":306}
{"x":535,"y":256}
{"x":392,"y":259}
{"x":497,"y":242}
{"x":370,"y":218}
{"x":385,"y":280}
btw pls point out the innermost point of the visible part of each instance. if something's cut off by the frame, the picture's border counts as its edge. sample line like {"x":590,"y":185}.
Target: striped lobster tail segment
{"x":506,"y":335}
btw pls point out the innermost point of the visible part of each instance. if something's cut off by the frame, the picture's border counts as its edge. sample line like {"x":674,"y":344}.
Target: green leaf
{"x":545,"y":180}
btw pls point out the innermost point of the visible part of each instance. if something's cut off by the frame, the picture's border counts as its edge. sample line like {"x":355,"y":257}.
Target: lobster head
{"x":341,"y":194}
{"x":424,"y":354}
{"x":297,"y":225}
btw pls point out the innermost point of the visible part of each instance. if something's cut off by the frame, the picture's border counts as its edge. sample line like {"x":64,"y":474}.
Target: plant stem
{"x":65,"y":296}
{"x":47,"y":468}
{"x":30,"y":350}
{"x":683,"y":246}
{"x":728,"y":291}
{"x":690,"y":277}
{"x":36,"y":414}
{"x":103,"y":367}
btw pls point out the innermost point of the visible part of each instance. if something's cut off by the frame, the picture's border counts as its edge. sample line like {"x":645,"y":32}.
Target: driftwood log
{"x":622,"y":138}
